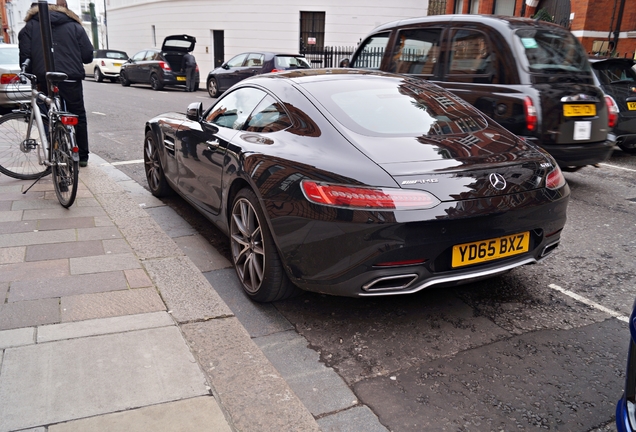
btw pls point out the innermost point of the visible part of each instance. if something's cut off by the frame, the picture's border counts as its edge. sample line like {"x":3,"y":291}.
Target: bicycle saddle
{"x":56,"y":77}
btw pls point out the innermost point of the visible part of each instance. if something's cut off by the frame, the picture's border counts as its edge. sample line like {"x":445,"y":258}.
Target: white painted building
{"x":225,"y":28}
{"x":17,"y":10}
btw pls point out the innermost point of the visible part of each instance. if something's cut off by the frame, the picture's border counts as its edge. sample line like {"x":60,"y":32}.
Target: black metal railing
{"x":327,"y":57}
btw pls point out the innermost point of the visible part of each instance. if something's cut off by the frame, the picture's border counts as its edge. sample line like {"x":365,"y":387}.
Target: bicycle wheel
{"x":20,"y":156}
{"x":64,"y":168}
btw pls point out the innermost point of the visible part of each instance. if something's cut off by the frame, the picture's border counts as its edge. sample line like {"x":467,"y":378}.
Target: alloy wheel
{"x":248,"y":252}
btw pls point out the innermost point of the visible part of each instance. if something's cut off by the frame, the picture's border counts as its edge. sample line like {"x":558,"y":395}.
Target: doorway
{"x":218,"y":48}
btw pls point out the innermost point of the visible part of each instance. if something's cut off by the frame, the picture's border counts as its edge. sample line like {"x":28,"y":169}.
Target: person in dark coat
{"x":189,"y":65}
{"x":71,"y":49}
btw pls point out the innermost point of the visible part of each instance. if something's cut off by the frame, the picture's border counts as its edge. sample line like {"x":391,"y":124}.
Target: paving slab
{"x":64,"y":250}
{"x":98,"y":233}
{"x":96,"y":327}
{"x":8,"y":216}
{"x":120,"y":206}
{"x":319,"y":388}
{"x":109,"y":304}
{"x":47,"y":287}
{"x":202,"y":253}
{"x":200,"y":414}
{"x":29,"y":314}
{"x":137,"y":278}
{"x":4,"y":289}
{"x":18,"y":226}
{"x":33,"y":238}
{"x":12,"y":255}
{"x":31,"y":204}
{"x":33,"y":270}
{"x":252,"y":391}
{"x":259,"y":319}
{"x":185,"y":291}
{"x":116,"y":246}
{"x":57,"y":382}
{"x":103,"y":263}
{"x":66,"y":223}
{"x":17,"y":337}
{"x":60,"y":212}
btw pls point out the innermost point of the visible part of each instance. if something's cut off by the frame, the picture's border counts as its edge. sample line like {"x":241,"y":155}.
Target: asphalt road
{"x":543,"y":346}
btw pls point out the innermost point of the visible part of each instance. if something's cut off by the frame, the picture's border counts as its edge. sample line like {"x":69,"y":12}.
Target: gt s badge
{"x":420,"y":181}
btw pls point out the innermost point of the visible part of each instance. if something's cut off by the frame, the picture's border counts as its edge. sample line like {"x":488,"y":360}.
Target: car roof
{"x":497,"y":21}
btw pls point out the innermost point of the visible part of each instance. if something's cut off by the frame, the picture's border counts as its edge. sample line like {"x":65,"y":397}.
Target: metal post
{"x":94,"y":25}
{"x":46,"y":34}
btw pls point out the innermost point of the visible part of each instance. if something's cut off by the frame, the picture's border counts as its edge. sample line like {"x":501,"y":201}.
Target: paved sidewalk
{"x":107,"y":325}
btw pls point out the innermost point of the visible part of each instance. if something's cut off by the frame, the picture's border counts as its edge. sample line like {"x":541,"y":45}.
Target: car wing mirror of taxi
{"x":194,"y":111}
{"x":344,"y":63}
{"x":225,"y":66}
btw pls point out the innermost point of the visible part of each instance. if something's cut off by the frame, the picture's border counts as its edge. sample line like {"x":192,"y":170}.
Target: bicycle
{"x":34,"y":144}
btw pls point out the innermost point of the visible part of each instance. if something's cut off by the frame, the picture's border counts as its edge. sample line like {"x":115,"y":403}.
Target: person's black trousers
{"x":72,"y":93}
{"x":190,"y":84}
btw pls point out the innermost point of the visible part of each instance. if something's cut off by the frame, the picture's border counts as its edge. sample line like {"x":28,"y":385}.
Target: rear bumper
{"x":578,"y":155}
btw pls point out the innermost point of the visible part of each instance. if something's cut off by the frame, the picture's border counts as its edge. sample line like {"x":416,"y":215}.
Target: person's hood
{"x":61,"y":17}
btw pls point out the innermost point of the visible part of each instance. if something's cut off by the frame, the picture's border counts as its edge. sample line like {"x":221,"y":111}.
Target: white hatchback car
{"x":11,"y":91}
{"x":106,"y":64}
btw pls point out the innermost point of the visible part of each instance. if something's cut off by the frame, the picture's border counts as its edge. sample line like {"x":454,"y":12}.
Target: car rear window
{"x":291,"y":62}
{"x":609,"y":73}
{"x":396,"y":107}
{"x":9,"y":56}
{"x":552,"y":51}
{"x":116,"y":55}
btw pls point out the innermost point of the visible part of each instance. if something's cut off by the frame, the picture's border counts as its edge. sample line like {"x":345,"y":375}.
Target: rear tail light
{"x":165,"y":66}
{"x":364,"y":198}
{"x":9,"y":79}
{"x":103,"y":63}
{"x":531,"y":114}
{"x":277,"y":70}
{"x":612,"y":111}
{"x":555,"y":179}
{"x":69,"y":120}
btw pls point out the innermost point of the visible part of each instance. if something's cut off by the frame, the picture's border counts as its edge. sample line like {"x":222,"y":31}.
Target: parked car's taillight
{"x":555,"y":179}
{"x":103,"y":63}
{"x":9,"y":79}
{"x":612,"y":111}
{"x":165,"y":66}
{"x":531,"y":114}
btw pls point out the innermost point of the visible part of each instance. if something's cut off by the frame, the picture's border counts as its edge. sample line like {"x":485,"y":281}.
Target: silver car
{"x":11,"y":91}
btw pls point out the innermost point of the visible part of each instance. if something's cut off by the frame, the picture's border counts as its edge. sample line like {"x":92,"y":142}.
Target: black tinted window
{"x":416,"y":51}
{"x":549,"y":50}
{"x":290,"y":62}
{"x":614,"y":73}
{"x":269,"y":116}
{"x":370,"y":54}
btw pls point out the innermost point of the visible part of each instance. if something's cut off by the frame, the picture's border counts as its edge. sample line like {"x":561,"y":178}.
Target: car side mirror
{"x":344,"y":63}
{"x":194,"y":111}
{"x":225,"y":66}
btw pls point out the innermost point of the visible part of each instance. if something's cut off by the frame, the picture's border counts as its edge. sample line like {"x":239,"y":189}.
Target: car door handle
{"x":213,"y":144}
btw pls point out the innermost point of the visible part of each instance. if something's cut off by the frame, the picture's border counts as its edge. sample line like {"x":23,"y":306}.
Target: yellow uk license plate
{"x":631,"y":106}
{"x":181,"y":78}
{"x":117,"y":64}
{"x":489,"y":250}
{"x":579,"y":110}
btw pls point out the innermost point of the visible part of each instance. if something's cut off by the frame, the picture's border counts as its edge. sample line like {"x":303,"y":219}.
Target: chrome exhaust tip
{"x":390,"y":283}
{"x":549,"y":249}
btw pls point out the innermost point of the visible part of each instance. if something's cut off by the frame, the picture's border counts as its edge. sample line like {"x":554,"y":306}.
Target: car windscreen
{"x":611,"y":73}
{"x":9,"y":56}
{"x":290,"y":62}
{"x":552,"y":51}
{"x":395,"y":107}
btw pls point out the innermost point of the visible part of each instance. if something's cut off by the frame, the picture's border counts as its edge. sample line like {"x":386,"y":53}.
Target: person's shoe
{"x":83,"y":163}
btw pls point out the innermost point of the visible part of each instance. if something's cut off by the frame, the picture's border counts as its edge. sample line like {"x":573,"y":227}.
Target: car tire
{"x":98,"y":75}
{"x":254,"y":254}
{"x":629,"y":150}
{"x":213,"y":88}
{"x":123,"y":79}
{"x":155,"y":83}
{"x":155,"y":175}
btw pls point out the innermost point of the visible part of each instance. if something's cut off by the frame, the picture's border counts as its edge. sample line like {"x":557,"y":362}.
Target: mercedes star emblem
{"x":497,"y":181}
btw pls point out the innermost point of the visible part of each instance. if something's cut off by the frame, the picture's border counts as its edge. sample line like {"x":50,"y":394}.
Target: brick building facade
{"x":598,"y":24}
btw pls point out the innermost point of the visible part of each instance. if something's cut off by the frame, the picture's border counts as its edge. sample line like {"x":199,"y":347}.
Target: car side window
{"x":269,"y":116}
{"x":233,"y":109}
{"x":254,"y":60}
{"x":372,"y":51}
{"x":471,"y":59}
{"x":151,"y":55}
{"x":416,"y":51}
{"x":237,"y":61}
{"x":139,"y":56}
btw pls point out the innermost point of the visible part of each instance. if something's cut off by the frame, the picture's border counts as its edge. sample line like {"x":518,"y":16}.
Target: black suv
{"x":160,"y":67}
{"x":530,"y":76}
